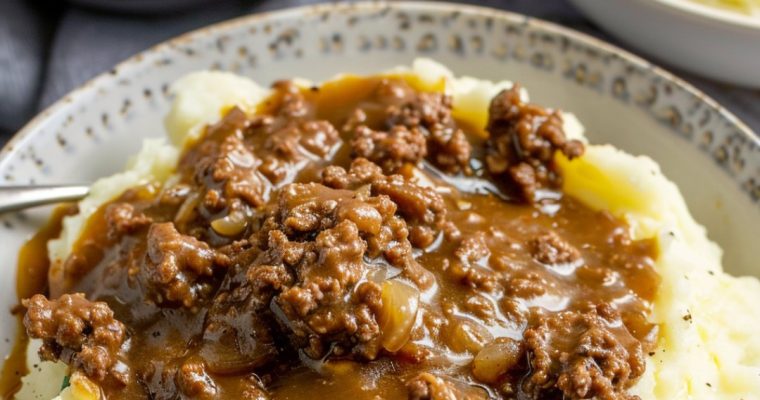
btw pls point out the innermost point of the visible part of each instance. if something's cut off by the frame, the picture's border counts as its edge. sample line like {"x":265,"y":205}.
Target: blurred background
{"x":48,"y":48}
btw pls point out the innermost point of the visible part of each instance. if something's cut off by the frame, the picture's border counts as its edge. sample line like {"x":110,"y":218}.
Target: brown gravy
{"x":31,"y":278}
{"x":262,"y":273}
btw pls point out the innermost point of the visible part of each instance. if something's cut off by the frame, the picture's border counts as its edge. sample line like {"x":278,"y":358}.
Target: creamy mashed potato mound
{"x":708,"y":346}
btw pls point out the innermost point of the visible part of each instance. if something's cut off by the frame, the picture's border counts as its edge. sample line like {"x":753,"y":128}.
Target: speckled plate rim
{"x":28,"y":131}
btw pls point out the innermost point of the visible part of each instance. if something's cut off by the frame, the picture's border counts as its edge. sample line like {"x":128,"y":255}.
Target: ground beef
{"x":238,"y":334}
{"x":447,"y":146}
{"x":362,"y":172}
{"x":80,"y":333}
{"x":348,"y":225}
{"x":523,"y":140}
{"x":306,"y":262}
{"x":292,"y":105}
{"x":450,"y":150}
{"x":422,"y":208}
{"x":176,"y":266}
{"x":236,"y":173}
{"x":318,"y":137}
{"x":190,"y":378}
{"x":470,"y":267}
{"x":293,"y":144}
{"x":427,"y":386}
{"x":392,"y":149}
{"x":286,"y":257}
{"x":416,"y":125}
{"x":582,"y":355}
{"x":230,"y":166}
{"x":123,"y":218}
{"x":527,"y":285}
{"x":194,"y":382}
{"x":418,"y":109}
{"x":473,"y":249}
{"x":236,"y":167}
{"x":549,"y":248}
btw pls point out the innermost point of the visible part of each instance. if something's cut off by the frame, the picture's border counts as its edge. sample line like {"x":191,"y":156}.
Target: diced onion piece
{"x":464,"y":335}
{"x":230,"y":225}
{"x":80,"y":388}
{"x":364,"y":190}
{"x":187,"y":209}
{"x":223,"y":357}
{"x":495,"y":359}
{"x":400,"y":305}
{"x":366,"y":217}
{"x":464,"y":205}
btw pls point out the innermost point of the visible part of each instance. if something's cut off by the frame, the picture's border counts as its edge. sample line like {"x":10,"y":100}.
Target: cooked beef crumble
{"x":601,"y":357}
{"x":523,"y":141}
{"x":80,"y":333}
{"x":337,"y":244}
{"x":175,"y":265}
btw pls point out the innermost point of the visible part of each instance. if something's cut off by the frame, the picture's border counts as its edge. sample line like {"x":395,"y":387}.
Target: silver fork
{"x":15,"y":198}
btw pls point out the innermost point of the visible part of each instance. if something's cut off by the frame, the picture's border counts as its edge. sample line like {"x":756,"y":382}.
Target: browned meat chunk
{"x":78,"y":332}
{"x":348,"y":225}
{"x":235,"y":166}
{"x":190,"y":378}
{"x":229,"y":166}
{"x":238,"y":335}
{"x":549,"y":248}
{"x":123,"y":218}
{"x":409,"y":108}
{"x":427,"y":386}
{"x":288,"y":258}
{"x":318,"y":138}
{"x":583,"y":355}
{"x":293,"y":144}
{"x":194,"y":382}
{"x":305,"y":266}
{"x":391,"y":150}
{"x":470,"y":265}
{"x":362,"y":172}
{"x":472,"y":249}
{"x":315,"y":307}
{"x":422,"y":208}
{"x":175,"y":265}
{"x":447,"y":146}
{"x":286,"y":143}
{"x":293,"y":105}
{"x":417,"y":125}
{"x":450,"y":150}
{"x":523,"y":140}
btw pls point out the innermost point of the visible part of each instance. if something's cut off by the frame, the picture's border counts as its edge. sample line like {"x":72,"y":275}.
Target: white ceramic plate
{"x":622,"y":100}
{"x":709,"y":41}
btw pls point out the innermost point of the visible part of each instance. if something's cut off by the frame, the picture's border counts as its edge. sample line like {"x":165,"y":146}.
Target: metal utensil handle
{"x":14,"y":198}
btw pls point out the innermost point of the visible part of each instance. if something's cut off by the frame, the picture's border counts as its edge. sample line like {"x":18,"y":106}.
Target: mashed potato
{"x":708,"y":346}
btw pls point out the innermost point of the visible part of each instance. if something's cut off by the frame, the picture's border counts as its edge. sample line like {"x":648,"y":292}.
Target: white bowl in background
{"x":708,"y":41}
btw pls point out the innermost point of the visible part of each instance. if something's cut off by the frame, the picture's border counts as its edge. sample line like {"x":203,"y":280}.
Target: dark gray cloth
{"x":23,"y":42}
{"x":87,"y":41}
